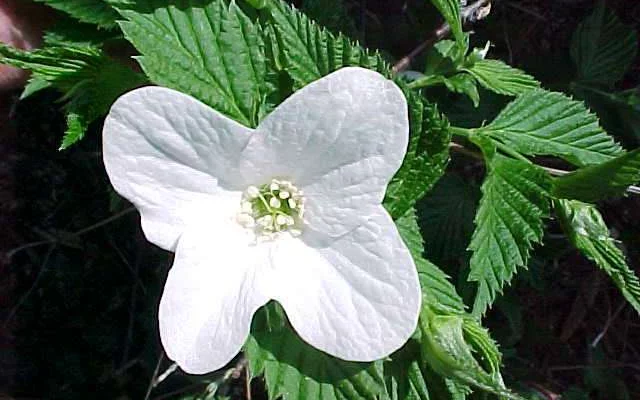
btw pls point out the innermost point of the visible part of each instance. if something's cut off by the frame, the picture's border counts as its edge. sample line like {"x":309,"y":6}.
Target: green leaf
{"x":33,"y":86}
{"x":446,"y":218}
{"x":69,"y":32}
{"x":294,"y":370}
{"x":501,"y":78}
{"x":408,"y":376}
{"x":509,"y":220}
{"x":464,"y":84}
{"x":258,"y":4}
{"x":62,"y":67}
{"x":588,"y":232}
{"x":90,"y":81}
{"x":549,"y":123}
{"x":311,"y":52}
{"x":448,"y":346}
{"x":96,"y":12}
{"x":330,"y":14}
{"x":211,"y":51}
{"x":600,"y":181}
{"x":602,"y":47}
{"x":426,"y":159}
{"x":448,"y":336}
{"x":437,"y":292}
{"x":444,"y":58}
{"x":77,"y":125}
{"x":405,"y":374}
{"x":450,"y":10}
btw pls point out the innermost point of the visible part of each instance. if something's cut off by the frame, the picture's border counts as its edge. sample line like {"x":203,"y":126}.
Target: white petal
{"x":212,"y":291}
{"x":168,"y":153}
{"x":340,"y":138}
{"x":357,"y":299}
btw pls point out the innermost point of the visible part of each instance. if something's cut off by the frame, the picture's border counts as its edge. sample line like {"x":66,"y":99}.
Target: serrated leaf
{"x":426,"y":159}
{"x":33,"y":86}
{"x":450,"y":10}
{"x":444,"y":58}
{"x":549,"y":123}
{"x":597,"y":182}
{"x":63,"y":67}
{"x":437,"y":292}
{"x":311,"y":52}
{"x":211,"y":51}
{"x":294,"y":370}
{"x":448,"y":336}
{"x":501,"y":78}
{"x":446,"y":218}
{"x":69,"y":32}
{"x":408,"y":376}
{"x":448,"y":345}
{"x":509,"y":220}
{"x":588,"y":232}
{"x":89,"y":80}
{"x":96,"y":12}
{"x":602,"y":47}
{"x":76,"y":127}
{"x":464,"y":84}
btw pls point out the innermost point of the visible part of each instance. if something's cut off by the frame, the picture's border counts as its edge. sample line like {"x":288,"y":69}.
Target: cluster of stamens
{"x":272,"y":208}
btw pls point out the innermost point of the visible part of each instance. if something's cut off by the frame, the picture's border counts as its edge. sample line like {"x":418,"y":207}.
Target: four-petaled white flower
{"x":290,"y":211}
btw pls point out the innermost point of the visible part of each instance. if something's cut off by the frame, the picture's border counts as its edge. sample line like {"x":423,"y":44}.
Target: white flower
{"x":207,"y":187}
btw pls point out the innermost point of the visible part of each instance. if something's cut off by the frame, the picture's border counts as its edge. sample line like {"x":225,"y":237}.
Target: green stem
{"x":508,"y":150}
{"x":464,"y":132}
{"x":425,"y":82}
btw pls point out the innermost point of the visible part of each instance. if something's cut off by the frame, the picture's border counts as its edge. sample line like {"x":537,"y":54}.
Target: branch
{"x":470,"y":14}
{"x":553,"y":171}
{"x":54,"y":240}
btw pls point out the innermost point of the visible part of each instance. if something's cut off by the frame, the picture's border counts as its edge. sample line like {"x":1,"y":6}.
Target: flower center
{"x":272,"y":208}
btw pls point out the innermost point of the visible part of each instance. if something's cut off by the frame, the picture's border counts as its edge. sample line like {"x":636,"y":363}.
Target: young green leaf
{"x":509,"y":220}
{"x":603,"y":47}
{"x":294,"y":370}
{"x":96,"y":12}
{"x":448,"y":345}
{"x":211,"y":51}
{"x":600,"y":181}
{"x":588,"y":232}
{"x":77,"y":125}
{"x":464,"y":84}
{"x":501,"y":78}
{"x":426,"y":159}
{"x":450,"y":10}
{"x":311,"y":52}
{"x":549,"y":123}
{"x":444,"y":58}
{"x":448,"y":351}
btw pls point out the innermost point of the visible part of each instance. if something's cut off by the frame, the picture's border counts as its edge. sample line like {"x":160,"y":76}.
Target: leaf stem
{"x":509,"y":151}
{"x":457,"y":147}
{"x":464,"y":132}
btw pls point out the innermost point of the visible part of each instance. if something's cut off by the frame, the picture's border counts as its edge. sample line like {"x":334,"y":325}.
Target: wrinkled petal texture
{"x":348,"y":285}
{"x":341,"y":139}
{"x":171,"y":156}
{"x":212,"y":291}
{"x":357,"y":299}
